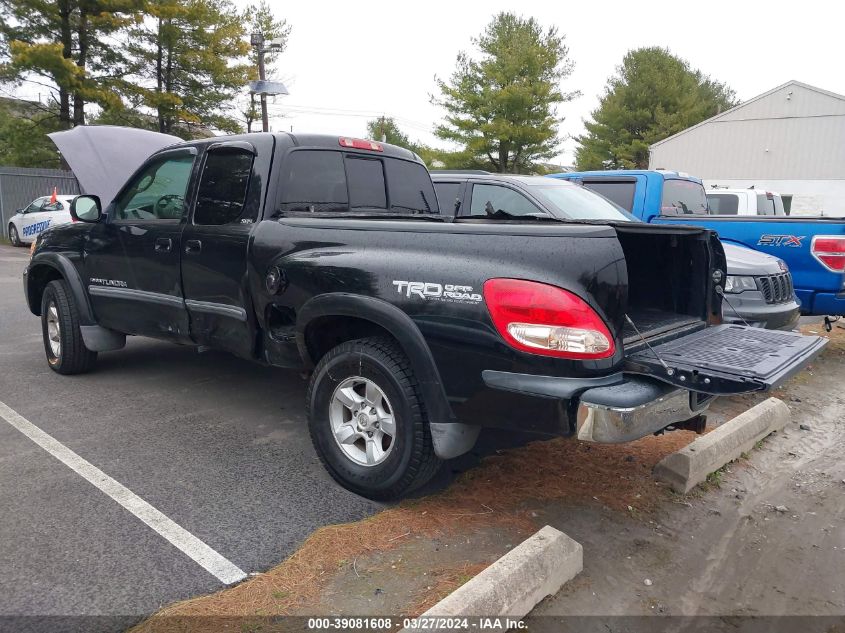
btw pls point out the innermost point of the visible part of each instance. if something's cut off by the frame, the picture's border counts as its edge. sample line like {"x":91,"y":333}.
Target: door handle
{"x":164,"y":245}
{"x":193,"y":247}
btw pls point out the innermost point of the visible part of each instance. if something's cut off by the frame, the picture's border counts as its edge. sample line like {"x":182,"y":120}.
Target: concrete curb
{"x":690,"y":466}
{"x":514,"y":584}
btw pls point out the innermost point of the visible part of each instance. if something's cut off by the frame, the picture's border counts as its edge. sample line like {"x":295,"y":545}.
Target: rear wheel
{"x":63,"y":344}
{"x":367,"y":420}
{"x":14,"y":238}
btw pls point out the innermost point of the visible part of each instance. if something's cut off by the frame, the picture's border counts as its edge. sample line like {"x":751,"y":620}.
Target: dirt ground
{"x":765,"y":536}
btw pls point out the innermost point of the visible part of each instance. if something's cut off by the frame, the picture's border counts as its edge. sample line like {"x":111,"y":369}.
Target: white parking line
{"x":215,"y":564}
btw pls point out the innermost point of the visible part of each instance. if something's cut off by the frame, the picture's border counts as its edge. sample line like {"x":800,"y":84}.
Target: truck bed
{"x":652,"y":322}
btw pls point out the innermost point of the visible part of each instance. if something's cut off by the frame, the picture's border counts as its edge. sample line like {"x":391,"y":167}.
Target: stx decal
{"x":781,"y":240}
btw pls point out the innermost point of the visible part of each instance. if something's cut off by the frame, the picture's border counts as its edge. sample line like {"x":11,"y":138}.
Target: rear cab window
{"x":314,"y":180}
{"x":723,"y":203}
{"x":410,"y":187}
{"x":683,"y":197}
{"x":336,"y":181}
{"x":365,"y":180}
{"x":619,"y":191}
{"x":769,"y":204}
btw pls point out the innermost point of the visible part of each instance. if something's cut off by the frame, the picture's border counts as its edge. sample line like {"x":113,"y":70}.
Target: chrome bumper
{"x":634,"y":409}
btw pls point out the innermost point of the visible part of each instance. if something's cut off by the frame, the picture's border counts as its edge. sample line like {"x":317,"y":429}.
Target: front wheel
{"x":63,"y":344}
{"x":14,"y":238}
{"x":367,"y":420}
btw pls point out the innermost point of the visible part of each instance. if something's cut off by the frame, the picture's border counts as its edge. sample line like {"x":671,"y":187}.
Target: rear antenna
{"x":669,"y":370}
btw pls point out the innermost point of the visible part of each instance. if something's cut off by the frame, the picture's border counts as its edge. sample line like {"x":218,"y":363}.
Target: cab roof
{"x":666,"y":174}
{"x":326,"y":141}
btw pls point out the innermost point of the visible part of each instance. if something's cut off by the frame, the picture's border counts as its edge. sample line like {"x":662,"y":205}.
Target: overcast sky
{"x":354,"y":60}
{"x":348,"y":62}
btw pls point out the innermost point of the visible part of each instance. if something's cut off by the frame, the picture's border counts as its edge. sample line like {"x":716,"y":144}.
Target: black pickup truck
{"x":417,"y":328}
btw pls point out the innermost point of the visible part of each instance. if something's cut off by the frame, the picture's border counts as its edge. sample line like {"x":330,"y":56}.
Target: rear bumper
{"x":610,"y":409}
{"x":822,"y":303}
{"x":634,"y":409}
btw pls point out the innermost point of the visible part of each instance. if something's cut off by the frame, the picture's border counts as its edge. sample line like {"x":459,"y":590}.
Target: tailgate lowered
{"x":727,"y":359}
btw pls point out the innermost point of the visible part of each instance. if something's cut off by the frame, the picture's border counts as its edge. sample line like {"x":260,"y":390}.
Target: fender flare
{"x":399,"y":325}
{"x":65,"y":267}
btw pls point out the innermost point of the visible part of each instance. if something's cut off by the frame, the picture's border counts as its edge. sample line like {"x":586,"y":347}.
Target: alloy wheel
{"x":54,"y":330}
{"x":362,"y":421}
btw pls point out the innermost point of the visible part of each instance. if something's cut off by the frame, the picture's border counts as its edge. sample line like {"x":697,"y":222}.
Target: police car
{"x":39,"y":215}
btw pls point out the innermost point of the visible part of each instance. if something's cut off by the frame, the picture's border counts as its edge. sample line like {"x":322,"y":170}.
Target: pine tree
{"x":64,"y":44}
{"x":501,"y":106}
{"x":188,"y":63}
{"x":653,"y":95}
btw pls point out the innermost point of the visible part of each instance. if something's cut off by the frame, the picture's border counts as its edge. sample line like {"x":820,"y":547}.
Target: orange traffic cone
{"x":53,"y":198}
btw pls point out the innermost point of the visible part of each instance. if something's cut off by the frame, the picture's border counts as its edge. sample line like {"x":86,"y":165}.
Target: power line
{"x":340,"y":112}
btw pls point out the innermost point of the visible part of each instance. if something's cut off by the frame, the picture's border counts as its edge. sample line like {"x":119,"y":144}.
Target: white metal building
{"x":790,"y":140}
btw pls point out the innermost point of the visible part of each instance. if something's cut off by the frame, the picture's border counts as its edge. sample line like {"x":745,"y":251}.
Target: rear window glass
{"x":683,"y":197}
{"x":769,"y":204}
{"x":366,"y":183}
{"x":620,"y":192}
{"x":723,"y":203}
{"x":314,"y":181}
{"x":410,"y":187}
{"x":447,"y":196}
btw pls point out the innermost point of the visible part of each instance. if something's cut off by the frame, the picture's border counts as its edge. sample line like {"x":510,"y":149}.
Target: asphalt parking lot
{"x":216,"y":444}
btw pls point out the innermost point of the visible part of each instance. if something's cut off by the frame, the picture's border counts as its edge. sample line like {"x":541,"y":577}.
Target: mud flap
{"x":727,"y":359}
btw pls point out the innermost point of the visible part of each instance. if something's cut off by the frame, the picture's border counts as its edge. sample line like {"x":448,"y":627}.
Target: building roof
{"x":744,"y":104}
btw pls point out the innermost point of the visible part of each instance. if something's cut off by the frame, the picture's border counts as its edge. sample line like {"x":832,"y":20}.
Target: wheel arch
{"x":47,"y":267}
{"x":330,"y":319}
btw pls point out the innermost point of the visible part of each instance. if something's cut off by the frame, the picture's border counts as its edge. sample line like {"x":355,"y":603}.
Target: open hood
{"x":103,"y":157}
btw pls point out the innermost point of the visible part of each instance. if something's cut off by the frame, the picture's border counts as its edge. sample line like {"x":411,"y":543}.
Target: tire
{"x":366,"y":366}
{"x":66,"y":352}
{"x":14,"y":238}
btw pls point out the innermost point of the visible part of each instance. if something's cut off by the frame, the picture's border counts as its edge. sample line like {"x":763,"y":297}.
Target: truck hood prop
{"x":103,"y":157}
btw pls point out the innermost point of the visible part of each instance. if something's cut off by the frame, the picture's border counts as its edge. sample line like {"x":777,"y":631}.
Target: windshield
{"x":578,"y":203}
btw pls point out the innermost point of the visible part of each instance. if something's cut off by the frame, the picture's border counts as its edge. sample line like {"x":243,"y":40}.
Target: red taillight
{"x":543,"y":319}
{"x":829,"y":250}
{"x":357,"y":143}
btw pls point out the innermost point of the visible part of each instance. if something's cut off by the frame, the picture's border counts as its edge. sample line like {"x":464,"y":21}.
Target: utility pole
{"x":262,"y":86}
{"x":257,"y":40}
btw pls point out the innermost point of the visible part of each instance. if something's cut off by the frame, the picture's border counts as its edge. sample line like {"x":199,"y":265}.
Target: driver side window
{"x":35,"y":207}
{"x":157,"y":193}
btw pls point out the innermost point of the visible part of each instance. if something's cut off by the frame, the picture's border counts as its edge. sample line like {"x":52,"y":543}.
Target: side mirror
{"x":21,"y":211}
{"x":86,"y":209}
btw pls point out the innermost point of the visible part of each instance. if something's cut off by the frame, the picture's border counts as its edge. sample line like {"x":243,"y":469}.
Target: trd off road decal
{"x":35,"y":229}
{"x":781,"y":240}
{"x":429,"y":291}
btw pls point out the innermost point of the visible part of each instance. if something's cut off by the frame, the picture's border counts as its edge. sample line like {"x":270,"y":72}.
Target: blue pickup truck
{"x":812,"y":247}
